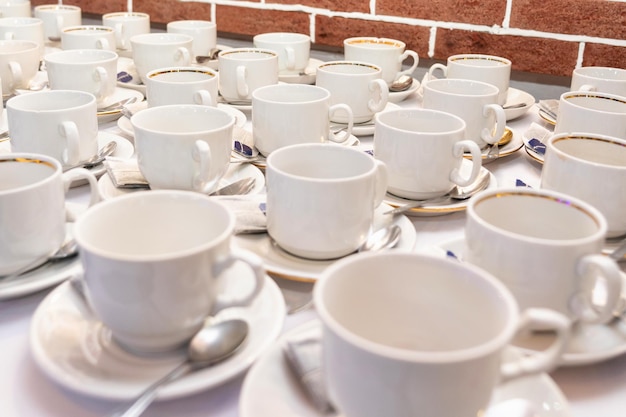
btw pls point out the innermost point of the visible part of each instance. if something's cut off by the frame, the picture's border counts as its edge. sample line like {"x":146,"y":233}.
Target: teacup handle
{"x":71,"y":154}
{"x":240,"y":79}
{"x":238,"y":300}
{"x":435,"y":67}
{"x":348,"y":132}
{"x":602,"y":267}
{"x":119,"y":35}
{"x":458,"y":150}
{"x":201,"y":156}
{"x":183,"y":55}
{"x":382,"y":180}
{"x":16,"y":74}
{"x":545,"y":360}
{"x":80,"y":174}
{"x":383,"y":91}
{"x":291,"y":58}
{"x":102,"y":43}
{"x":204,"y":97}
{"x":498,"y":111}
{"x":101,"y":75}
{"x":403,"y":57}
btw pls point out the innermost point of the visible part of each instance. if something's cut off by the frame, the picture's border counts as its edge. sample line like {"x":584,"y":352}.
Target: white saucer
{"x":243,"y":106}
{"x":235,"y":172}
{"x":365,"y":128}
{"x":306,"y":77}
{"x":398,"y":96}
{"x":439,"y":210}
{"x":118,"y":95}
{"x":515,"y":96}
{"x":283,"y":264}
{"x":510,"y":148}
{"x":590,"y":343}
{"x":127,"y":76}
{"x":75,"y":350}
{"x":270,"y":388}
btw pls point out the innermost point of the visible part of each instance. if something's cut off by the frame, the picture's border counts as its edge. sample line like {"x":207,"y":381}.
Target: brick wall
{"x":539,"y":36}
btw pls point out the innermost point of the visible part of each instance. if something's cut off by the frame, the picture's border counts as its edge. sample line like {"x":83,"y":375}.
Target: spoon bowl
{"x":401,"y":84}
{"x":102,"y":154}
{"x":383,"y":238}
{"x":67,"y":250}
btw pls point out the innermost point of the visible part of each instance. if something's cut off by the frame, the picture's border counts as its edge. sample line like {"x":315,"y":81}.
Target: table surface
{"x":593,"y":390}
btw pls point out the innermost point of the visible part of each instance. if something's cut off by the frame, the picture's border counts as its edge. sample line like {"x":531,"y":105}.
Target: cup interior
{"x":182,"y":75}
{"x":597,"y":101}
{"x":50,"y":101}
{"x":597,"y":150}
{"x":17,"y":46}
{"x":81,"y":56}
{"x":461,"y":87}
{"x":161,"y":39}
{"x":182,"y":119}
{"x":350,"y":68}
{"x":290,"y":93}
{"x":20,"y":172}
{"x":421,"y":121}
{"x":602,"y":73}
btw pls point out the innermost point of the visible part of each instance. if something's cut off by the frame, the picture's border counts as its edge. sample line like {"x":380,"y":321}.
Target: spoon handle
{"x":136,"y":407}
{"x":418,"y":203}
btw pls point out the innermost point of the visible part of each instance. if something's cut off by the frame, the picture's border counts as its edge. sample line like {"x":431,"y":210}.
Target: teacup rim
{"x":586,"y":136}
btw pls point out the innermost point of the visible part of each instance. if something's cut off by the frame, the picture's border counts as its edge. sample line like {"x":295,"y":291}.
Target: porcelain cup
{"x":19,"y":63}
{"x":203,"y":32}
{"x":23,"y":29}
{"x":243,"y":70}
{"x":56,"y":17}
{"x":357,"y":84}
{"x":160,"y":50}
{"x":592,"y":112}
{"x":182,"y":85}
{"x":59,"y":123}
{"x":545,"y":246}
{"x":156,"y":264}
{"x":603,"y":79}
{"x":184,"y":147}
{"x":478,"y":67}
{"x":423,"y":151}
{"x":388,"y":54}
{"x":293,"y":49}
{"x":126,"y":25}
{"x":15,"y":8}
{"x":88,"y":37}
{"x":90,"y":70}
{"x":32,"y":202}
{"x":405,"y":334}
{"x":289,"y":114}
{"x":475,"y":102}
{"x":321,"y":198}
{"x":591,"y":167}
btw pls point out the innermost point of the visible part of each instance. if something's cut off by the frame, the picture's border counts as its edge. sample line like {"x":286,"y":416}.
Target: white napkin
{"x":249,"y":212}
{"x":550,"y":106}
{"x":125,"y":173}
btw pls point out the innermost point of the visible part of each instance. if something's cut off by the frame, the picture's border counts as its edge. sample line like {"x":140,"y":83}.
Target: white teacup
{"x":479,"y":67}
{"x":154,"y":262}
{"x":159,"y":50}
{"x":185,"y":147}
{"x":32,"y":203}
{"x":23,"y":29}
{"x":293,"y":49}
{"x":591,"y":167}
{"x":357,"y":84}
{"x":321,"y":198}
{"x":15,"y":8}
{"x":203,"y":32}
{"x":90,"y":70}
{"x":603,"y":79}
{"x":126,"y":25}
{"x":62,"y":124}
{"x":19,"y":63}
{"x":592,"y":112}
{"x":243,"y":70}
{"x":388,"y":54}
{"x":55,"y":17}
{"x":289,"y":114}
{"x":88,"y":37}
{"x":475,"y":102}
{"x":405,"y":334}
{"x":546,"y":248}
{"x":182,"y":85}
{"x":423,"y":151}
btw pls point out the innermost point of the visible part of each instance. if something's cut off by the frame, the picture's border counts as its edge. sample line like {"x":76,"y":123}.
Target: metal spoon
{"x":401,"y":84}
{"x":67,"y":250}
{"x":212,"y":344}
{"x":200,"y":59}
{"x":383,"y":238}
{"x":457,"y":193}
{"x":107,"y":150}
{"x":118,"y":105}
{"x":514,"y":106}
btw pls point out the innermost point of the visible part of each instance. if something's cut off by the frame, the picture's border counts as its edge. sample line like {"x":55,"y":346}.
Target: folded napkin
{"x":125,"y":173}
{"x":249,"y":212}
{"x":550,"y":106}
{"x":537,"y":136}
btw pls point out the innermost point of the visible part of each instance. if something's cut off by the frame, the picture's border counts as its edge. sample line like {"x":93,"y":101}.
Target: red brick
{"x":245,"y":21}
{"x":480,"y":12}
{"x":361,"y":6}
{"x":604,"y":56}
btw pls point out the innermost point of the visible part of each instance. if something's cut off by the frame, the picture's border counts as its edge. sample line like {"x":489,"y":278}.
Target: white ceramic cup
{"x":603,"y":79}
{"x":321,"y":198}
{"x":293,"y":49}
{"x":19,"y":63}
{"x":475,"y":102}
{"x":182,"y":85}
{"x":592,"y":112}
{"x":59,"y":123}
{"x":88,"y":37}
{"x":185,"y":147}
{"x":203,"y":32}
{"x":406,"y":334}
{"x":243,"y":70}
{"x":154,"y":266}
{"x":591,"y":167}
{"x":357,"y":84}
{"x":545,"y":247}
{"x":159,"y":50}
{"x":479,"y":67}
{"x":55,"y":17}
{"x":23,"y":29}
{"x":126,"y":25}
{"x":388,"y":54}
{"x":289,"y":114}
{"x":91,"y":70}
{"x":15,"y":8}
{"x":423,"y":151}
